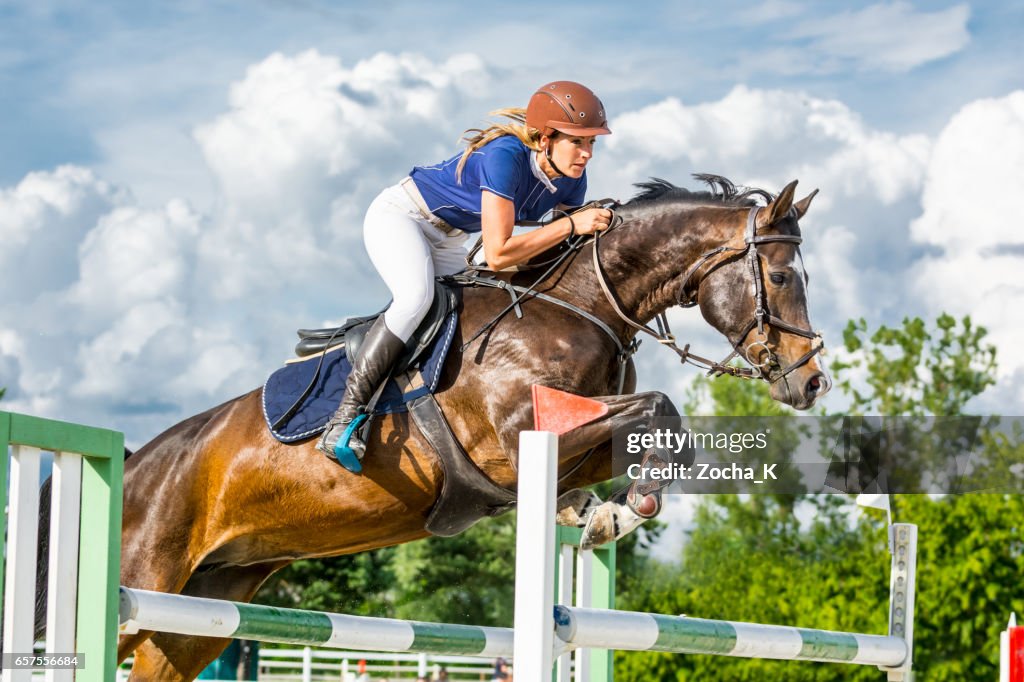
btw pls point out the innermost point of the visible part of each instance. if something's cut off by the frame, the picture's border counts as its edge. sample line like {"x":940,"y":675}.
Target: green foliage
{"x":750,"y":559}
{"x":970,"y":563}
{"x":469,"y":578}
{"x":912,"y":370}
{"x":359,"y":584}
{"x":2,"y":391}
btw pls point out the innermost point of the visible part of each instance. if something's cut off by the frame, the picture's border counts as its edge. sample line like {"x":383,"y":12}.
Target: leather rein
{"x":768,"y":369}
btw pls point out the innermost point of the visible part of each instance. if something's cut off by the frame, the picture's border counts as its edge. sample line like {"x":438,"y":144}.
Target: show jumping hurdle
{"x":535,"y":642}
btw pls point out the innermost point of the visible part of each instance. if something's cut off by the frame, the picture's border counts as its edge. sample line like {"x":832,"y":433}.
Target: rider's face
{"x":570,"y":153}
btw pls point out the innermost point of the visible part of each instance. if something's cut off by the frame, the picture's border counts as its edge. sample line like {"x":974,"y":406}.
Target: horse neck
{"x":645,"y":260}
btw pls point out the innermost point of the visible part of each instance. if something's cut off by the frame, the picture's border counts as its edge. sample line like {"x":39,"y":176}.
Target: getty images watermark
{"x":677,"y":442}
{"x":799,"y":455}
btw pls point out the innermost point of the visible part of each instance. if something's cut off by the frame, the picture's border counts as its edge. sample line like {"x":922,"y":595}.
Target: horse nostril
{"x":814,"y":384}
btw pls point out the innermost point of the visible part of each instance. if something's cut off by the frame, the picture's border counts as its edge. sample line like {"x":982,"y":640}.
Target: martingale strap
{"x":711,"y":260}
{"x":520,"y":293}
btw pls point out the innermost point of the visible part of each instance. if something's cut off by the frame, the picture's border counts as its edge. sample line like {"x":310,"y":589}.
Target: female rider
{"x":415,"y":230}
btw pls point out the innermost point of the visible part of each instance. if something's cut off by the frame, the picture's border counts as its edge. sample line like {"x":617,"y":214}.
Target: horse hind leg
{"x":175,"y":658}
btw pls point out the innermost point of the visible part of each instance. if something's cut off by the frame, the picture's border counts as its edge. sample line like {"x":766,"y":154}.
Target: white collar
{"x":539,"y":173}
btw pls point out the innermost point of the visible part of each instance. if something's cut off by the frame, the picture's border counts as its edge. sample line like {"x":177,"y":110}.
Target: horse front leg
{"x":641,"y":500}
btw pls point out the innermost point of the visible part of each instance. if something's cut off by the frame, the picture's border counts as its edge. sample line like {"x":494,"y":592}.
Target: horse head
{"x":756,"y":295}
{"x":736,"y":259}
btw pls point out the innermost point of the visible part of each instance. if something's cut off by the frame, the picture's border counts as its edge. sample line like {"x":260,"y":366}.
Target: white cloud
{"x":296,"y":121}
{"x":974,"y":178}
{"x":42,"y":220}
{"x":770,"y":10}
{"x":888,"y":36}
{"x":842,"y":288}
{"x":303,"y":148}
{"x":141,"y":315}
{"x":133,"y":256}
{"x":775,"y":135}
{"x":869,"y":177}
{"x":972,"y":215}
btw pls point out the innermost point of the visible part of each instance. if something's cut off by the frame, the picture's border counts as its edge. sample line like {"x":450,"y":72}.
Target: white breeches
{"x":408,"y":252}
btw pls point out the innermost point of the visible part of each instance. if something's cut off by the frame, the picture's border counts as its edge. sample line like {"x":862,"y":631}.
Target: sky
{"x":182,"y":184}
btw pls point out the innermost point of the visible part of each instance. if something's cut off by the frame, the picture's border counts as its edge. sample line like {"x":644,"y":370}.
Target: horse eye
{"x":777,"y":278}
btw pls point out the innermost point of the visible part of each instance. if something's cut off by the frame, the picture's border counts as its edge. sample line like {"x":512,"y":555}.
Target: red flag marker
{"x":561,"y":412}
{"x":1017,"y":654}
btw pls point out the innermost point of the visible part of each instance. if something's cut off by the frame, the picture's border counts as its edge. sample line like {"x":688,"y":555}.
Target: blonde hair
{"x":476,"y":137}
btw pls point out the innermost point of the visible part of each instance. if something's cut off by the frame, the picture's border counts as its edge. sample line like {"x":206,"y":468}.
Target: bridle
{"x":768,"y":368}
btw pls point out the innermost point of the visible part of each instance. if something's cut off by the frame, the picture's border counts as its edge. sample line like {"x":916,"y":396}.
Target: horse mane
{"x":722,"y":191}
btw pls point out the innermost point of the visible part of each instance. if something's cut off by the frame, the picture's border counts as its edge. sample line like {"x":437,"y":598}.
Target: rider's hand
{"x":591,"y":220}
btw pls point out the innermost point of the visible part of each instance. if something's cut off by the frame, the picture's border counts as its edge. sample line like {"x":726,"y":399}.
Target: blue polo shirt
{"x":502,"y":166}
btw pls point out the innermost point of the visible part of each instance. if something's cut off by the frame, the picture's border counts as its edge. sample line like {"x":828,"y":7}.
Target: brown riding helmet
{"x":567,"y":107}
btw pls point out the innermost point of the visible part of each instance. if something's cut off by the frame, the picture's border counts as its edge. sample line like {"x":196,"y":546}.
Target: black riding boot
{"x":377,"y":355}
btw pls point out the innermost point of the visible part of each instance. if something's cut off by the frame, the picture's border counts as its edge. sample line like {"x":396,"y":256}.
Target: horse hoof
{"x":611,"y":521}
{"x":601,"y":528}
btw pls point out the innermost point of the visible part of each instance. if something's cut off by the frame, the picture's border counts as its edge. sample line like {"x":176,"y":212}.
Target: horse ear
{"x":778,"y":209}
{"x":804,"y":204}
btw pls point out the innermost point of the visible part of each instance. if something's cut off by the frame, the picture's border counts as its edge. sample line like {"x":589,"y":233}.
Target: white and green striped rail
{"x":632,"y":631}
{"x":160,"y":612}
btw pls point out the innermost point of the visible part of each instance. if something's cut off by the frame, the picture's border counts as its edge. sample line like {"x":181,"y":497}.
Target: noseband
{"x":768,"y":369}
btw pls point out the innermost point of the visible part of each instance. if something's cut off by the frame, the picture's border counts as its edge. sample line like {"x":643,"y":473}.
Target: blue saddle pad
{"x":285,"y":386}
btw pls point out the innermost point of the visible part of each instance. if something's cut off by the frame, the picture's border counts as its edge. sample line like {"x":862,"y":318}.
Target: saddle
{"x":467,"y":495}
{"x":351,"y":333}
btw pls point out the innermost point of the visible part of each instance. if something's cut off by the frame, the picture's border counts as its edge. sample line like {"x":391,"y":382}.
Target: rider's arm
{"x":502,"y":249}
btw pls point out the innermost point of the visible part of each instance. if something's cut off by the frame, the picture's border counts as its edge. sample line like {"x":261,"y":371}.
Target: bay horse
{"x":214,"y":505}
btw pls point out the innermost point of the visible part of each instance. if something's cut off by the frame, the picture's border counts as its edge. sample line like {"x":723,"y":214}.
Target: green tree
{"x":913,"y":370}
{"x":359,"y":584}
{"x":970,"y":563}
{"x":469,"y":578}
{"x":807,"y":562}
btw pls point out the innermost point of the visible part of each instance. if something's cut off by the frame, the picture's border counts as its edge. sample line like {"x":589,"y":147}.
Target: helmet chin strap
{"x":547,"y":155}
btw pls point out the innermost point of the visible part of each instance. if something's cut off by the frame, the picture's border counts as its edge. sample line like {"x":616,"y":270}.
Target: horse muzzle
{"x":802,"y":388}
